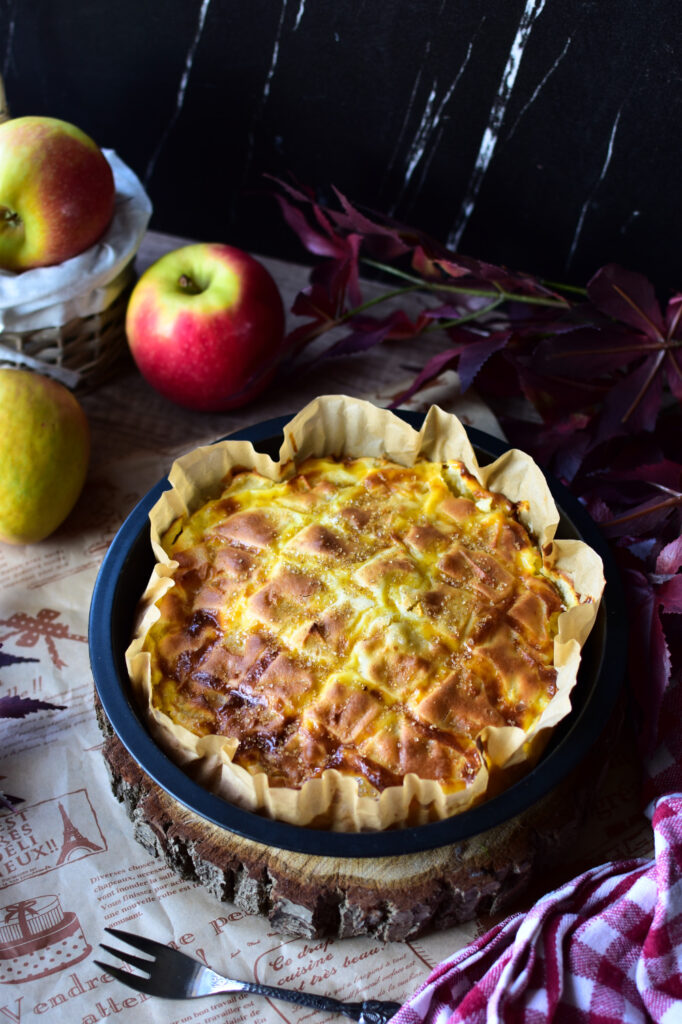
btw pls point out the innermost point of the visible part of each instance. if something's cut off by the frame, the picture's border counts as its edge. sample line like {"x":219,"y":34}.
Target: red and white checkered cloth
{"x":605,"y":948}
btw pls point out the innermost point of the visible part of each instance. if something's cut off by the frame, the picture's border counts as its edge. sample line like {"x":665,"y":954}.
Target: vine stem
{"x":467,"y":318}
{"x":453,"y":289}
{"x":667,"y":503}
{"x":374,"y":302}
{"x":655,"y":346}
{"x":436,"y":325}
{"x":651,"y":375}
{"x":498,"y":296}
{"x":559,"y":286}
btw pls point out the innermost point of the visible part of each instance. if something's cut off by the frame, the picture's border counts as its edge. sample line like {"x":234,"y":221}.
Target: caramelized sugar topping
{"x":361,"y":616}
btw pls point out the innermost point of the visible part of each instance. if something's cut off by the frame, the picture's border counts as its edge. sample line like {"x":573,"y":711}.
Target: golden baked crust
{"x":335,"y":427}
{"x":360,"y":615}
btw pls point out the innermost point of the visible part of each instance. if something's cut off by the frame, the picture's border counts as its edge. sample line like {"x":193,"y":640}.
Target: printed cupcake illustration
{"x":38,"y":938}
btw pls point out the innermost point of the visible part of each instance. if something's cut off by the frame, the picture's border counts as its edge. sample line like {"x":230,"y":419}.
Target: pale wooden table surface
{"x":127,"y":415}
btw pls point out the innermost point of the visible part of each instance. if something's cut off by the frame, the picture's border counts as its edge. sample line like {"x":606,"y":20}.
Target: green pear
{"x":44,"y":455}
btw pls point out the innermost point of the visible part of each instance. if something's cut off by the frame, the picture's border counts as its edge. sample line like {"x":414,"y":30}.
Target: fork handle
{"x":371,"y":1011}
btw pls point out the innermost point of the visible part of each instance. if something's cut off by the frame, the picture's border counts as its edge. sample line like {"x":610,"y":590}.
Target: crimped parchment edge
{"x":347,"y":427}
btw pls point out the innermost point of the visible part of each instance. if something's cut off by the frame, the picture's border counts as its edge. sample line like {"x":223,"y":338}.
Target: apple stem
{"x":188,"y":285}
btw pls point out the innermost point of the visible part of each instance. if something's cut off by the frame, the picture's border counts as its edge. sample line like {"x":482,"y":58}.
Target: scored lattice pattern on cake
{"x":361,"y":615}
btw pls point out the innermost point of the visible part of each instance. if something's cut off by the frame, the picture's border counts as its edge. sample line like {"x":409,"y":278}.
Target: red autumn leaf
{"x":670,"y":595}
{"x":649,"y":655}
{"x":673,"y":316}
{"x":632,"y":404}
{"x":570,"y":454}
{"x":428,"y":264}
{"x":588,"y":352}
{"x":482,"y":274}
{"x":385,"y":240}
{"x":628,"y":297}
{"x":644,"y":501}
{"x":476,"y":352}
{"x":322,"y":239}
{"x":432,"y":369}
{"x":553,"y":397}
{"x":469,"y":357}
{"x":674,"y":354}
{"x":314,"y":241}
{"x":651,"y":649}
{"x":450,"y":311}
{"x":598,"y":509}
{"x":366,"y":332}
{"x":558,"y":447}
{"x":341,"y":276}
{"x":641,"y":519}
{"x":316,"y":302}
{"x":304,"y":335}
{"x":664,"y":473}
{"x":594,"y":368}
{"x":306,"y":198}
{"x":669,"y":559}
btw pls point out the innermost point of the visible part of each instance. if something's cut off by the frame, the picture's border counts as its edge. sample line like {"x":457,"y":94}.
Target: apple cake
{"x":353,"y":628}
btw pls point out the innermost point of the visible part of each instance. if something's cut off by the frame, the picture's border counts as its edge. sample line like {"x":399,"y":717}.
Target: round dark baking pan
{"x":123,"y":577}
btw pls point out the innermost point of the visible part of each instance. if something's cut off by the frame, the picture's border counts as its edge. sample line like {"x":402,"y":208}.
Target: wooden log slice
{"x":391,"y":898}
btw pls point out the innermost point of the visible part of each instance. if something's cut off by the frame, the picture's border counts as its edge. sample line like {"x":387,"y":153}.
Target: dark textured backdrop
{"x":543,"y":134}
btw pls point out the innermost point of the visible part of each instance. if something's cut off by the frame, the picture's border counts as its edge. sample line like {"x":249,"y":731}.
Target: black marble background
{"x":543,"y":134}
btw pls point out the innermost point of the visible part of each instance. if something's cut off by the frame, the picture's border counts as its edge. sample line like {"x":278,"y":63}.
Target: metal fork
{"x":174,"y":975}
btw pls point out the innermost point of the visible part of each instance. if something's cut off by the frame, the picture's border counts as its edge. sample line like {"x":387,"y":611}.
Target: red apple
{"x":204,"y":325}
{"x":56,"y":192}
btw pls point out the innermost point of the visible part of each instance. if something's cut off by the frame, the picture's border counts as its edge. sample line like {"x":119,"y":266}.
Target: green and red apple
{"x":57,"y":192}
{"x":205,"y":324}
{"x":44,"y":455}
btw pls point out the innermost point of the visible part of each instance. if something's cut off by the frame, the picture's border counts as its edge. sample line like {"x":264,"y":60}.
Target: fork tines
{"x":139,"y":942}
{"x":129,"y":958}
{"x":127,"y":977}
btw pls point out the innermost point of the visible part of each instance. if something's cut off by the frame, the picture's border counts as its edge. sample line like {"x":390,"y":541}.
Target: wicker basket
{"x":81,"y":353}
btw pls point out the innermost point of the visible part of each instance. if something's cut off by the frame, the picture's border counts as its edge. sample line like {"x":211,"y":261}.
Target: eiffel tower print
{"x":73,"y":841}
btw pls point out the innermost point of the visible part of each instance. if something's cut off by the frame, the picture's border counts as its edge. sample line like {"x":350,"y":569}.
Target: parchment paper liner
{"x":341,"y":426}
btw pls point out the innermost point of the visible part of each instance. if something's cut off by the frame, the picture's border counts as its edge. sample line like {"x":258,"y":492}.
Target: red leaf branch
{"x":600,"y":367}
